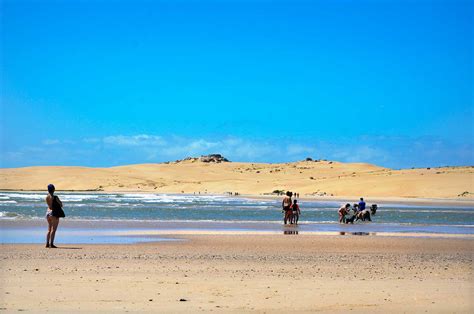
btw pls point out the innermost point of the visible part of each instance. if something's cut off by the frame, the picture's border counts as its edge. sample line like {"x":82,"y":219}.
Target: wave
{"x":9,"y":215}
{"x":8,"y":202}
{"x":64,"y":197}
{"x":211,"y":208}
{"x":176,"y":198}
{"x":24,"y":196}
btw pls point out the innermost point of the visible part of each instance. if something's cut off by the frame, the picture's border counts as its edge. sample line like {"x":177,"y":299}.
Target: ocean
{"x":124,"y":211}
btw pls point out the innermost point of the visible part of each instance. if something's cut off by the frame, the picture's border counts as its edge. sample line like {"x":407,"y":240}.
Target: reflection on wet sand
{"x":290,"y":232}
{"x":357,"y":233}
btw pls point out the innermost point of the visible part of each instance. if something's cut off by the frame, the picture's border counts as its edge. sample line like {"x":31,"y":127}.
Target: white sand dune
{"x":309,"y":178}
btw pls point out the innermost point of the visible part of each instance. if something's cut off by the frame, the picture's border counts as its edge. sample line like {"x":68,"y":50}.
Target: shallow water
{"x":215,"y":212}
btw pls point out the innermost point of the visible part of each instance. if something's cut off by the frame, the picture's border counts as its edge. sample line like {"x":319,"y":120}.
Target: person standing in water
{"x":53,"y":214}
{"x":361,"y":204}
{"x":296,"y":212}
{"x":286,"y":205}
{"x":343,"y":211}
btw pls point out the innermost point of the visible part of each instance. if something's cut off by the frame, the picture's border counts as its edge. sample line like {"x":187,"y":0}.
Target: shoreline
{"x":128,"y":232}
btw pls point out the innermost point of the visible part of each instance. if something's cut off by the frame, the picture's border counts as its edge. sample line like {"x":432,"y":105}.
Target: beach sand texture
{"x":245,"y":273}
{"x":309,"y":178}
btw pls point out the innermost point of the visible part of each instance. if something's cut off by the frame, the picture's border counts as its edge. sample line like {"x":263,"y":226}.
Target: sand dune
{"x":309,"y":178}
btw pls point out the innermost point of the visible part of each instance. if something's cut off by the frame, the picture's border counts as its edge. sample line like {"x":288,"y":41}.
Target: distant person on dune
{"x":286,"y":205}
{"x":54,"y":212}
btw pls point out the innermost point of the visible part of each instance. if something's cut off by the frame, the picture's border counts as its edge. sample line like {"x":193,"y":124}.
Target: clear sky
{"x":104,"y":83}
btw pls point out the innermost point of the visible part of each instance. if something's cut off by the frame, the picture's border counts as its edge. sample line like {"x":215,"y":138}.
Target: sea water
{"x":223,"y":213}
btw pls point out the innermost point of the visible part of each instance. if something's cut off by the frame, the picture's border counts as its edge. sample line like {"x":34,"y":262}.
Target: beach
{"x":242,"y":273}
{"x":150,"y":251}
{"x":236,"y":156}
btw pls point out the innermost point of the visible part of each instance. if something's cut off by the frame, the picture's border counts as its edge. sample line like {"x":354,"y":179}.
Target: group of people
{"x":291,"y":210}
{"x":360,"y":212}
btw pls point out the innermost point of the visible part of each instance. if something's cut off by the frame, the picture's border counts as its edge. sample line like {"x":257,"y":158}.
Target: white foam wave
{"x":77,"y":197}
{"x":25,"y":196}
{"x":9,"y":215}
{"x":65,"y":197}
{"x":8,"y":202}
{"x":170,"y":198}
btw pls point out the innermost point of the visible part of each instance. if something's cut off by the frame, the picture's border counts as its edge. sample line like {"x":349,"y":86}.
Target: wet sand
{"x":75,"y":231}
{"x":242,"y":273}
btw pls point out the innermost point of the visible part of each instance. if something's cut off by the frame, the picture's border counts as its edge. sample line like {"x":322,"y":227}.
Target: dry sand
{"x":245,"y":273}
{"x":310,"y":179}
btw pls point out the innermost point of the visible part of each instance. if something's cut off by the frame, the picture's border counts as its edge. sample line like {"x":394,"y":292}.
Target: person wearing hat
{"x":53,"y":214}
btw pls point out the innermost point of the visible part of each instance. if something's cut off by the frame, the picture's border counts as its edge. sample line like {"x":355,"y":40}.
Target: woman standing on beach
{"x":53,"y":214}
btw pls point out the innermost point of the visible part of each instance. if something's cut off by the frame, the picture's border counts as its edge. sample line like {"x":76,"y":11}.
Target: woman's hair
{"x":348,"y":205}
{"x":51,"y":188}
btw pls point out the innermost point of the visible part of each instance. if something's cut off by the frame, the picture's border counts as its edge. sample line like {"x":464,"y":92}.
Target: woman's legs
{"x":55,"y":224}
{"x":50,"y":227}
{"x":288,"y":217}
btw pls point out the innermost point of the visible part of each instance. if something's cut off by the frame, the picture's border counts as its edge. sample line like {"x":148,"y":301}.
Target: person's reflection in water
{"x":360,"y":233}
{"x":356,"y":233}
{"x":290,"y":232}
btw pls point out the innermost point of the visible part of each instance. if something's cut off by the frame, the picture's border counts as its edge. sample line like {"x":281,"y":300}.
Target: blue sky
{"x":104,"y":83}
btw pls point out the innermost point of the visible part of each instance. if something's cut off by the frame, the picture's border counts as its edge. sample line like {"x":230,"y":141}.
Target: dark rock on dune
{"x":217,"y":158}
